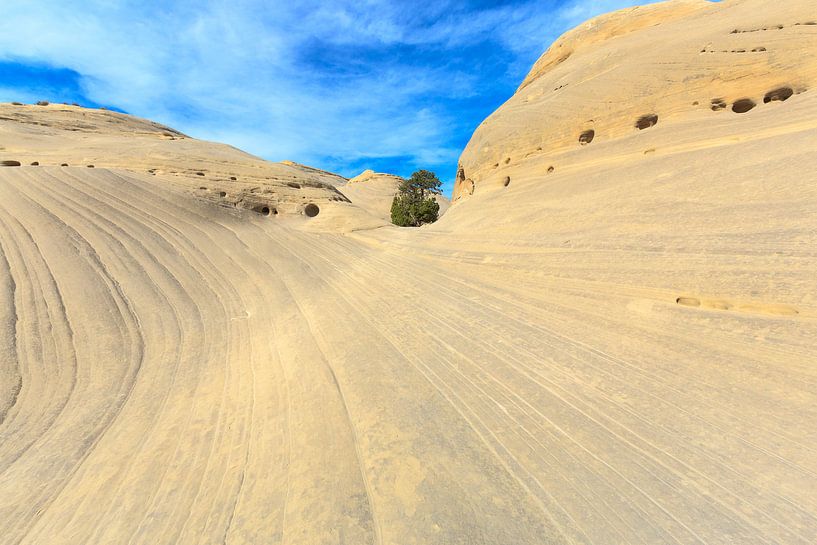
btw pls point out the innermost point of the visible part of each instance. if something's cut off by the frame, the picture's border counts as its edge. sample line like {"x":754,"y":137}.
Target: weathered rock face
{"x":685,"y":65}
{"x":71,"y":136}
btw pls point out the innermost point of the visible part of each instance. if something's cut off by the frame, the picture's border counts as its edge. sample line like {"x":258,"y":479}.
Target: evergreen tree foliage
{"x":414,"y":203}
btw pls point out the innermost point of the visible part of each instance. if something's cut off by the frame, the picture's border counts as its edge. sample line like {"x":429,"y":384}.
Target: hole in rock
{"x":718,"y":104}
{"x":222,"y":193}
{"x":743,"y":105}
{"x":233,"y":178}
{"x":311,"y":210}
{"x":293,"y":185}
{"x":507,"y":181}
{"x":784,"y":93}
{"x":646,"y":121}
{"x":264,"y":210}
{"x":64,"y":165}
{"x":688,"y":301}
{"x":586,"y":137}
{"x":460,"y":173}
{"x":9,"y":163}
{"x":90,"y":166}
{"x":551,"y":169}
{"x":199,"y":173}
{"x":35,"y":164}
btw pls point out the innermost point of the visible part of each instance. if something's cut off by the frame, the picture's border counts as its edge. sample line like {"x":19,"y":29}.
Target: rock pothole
{"x":743,"y":105}
{"x":646,"y":121}
{"x":778,"y":95}
{"x":311,"y":210}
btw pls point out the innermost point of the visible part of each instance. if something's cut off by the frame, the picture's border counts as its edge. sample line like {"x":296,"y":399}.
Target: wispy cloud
{"x":334,"y":84}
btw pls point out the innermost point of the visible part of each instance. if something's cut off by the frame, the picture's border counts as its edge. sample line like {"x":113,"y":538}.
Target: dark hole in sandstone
{"x":743,"y":105}
{"x":90,"y":166}
{"x":586,"y":137}
{"x":199,"y":173}
{"x":507,"y":181}
{"x":9,"y":163}
{"x":264,"y":210}
{"x":508,"y":160}
{"x":233,"y":178}
{"x":293,"y":185}
{"x":35,"y":164}
{"x":718,"y":104}
{"x":646,"y":121}
{"x":222,"y":193}
{"x":784,"y":93}
{"x":64,"y":165}
{"x":550,"y":169}
{"x":311,"y":210}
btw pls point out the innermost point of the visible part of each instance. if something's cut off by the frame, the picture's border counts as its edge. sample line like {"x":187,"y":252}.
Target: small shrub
{"x":42,"y":103}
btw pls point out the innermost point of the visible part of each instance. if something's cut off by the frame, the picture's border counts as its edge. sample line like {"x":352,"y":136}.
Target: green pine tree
{"x":414,"y":203}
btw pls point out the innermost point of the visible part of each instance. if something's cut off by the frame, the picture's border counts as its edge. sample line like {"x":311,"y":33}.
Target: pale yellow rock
{"x":619,"y":351}
{"x":59,"y":134}
{"x":672,"y":63}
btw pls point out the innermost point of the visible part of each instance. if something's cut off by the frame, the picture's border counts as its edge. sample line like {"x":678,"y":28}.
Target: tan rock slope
{"x":619,"y":351}
{"x":70,"y":137}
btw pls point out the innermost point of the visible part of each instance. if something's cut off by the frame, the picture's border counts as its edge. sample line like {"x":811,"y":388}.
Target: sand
{"x":620,"y":350}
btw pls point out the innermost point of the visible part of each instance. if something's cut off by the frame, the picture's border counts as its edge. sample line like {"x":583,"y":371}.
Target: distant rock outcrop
{"x":374,"y":192}
{"x":59,"y":134}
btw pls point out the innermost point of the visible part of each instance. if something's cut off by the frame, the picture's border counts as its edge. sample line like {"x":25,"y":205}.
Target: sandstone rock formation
{"x":664,"y":76}
{"x":603,"y":343}
{"x":70,"y":136}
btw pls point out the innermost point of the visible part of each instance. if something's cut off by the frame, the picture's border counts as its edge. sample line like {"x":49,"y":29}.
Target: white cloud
{"x":237,"y":71}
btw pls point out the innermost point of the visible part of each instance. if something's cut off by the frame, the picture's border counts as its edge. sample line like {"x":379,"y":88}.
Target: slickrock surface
{"x":73,"y":137}
{"x":619,"y":351}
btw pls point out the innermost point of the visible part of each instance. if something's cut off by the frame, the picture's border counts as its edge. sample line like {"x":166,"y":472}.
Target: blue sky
{"x":342,"y":85}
